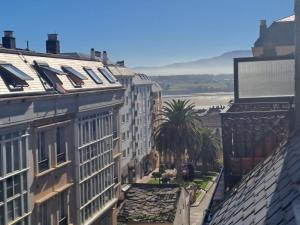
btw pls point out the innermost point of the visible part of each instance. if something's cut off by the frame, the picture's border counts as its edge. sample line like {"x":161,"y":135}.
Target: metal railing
{"x":43,"y":165}
{"x":61,"y":157}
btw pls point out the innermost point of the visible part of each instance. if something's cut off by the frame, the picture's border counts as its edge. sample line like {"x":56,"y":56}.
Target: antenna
{"x":27,"y":45}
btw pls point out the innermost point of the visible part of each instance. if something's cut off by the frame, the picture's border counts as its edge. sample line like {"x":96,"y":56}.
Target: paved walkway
{"x":197,"y":213}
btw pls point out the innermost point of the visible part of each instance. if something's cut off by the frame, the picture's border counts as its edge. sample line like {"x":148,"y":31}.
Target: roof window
{"x":93,"y":75}
{"x":107,"y":75}
{"x":49,"y":75}
{"x":74,"y":76}
{"x":14,"y":78}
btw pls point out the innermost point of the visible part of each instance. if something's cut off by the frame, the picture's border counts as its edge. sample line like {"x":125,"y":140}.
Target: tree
{"x":194,"y":151}
{"x":177,"y":129}
{"x":210,"y":149}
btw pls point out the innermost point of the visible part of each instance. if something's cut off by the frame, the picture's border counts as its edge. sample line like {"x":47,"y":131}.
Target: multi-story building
{"x":261,"y":116}
{"x":59,"y":151}
{"x":135,"y":123}
{"x":142,"y":124}
{"x":125,"y":76}
{"x":276,"y":40}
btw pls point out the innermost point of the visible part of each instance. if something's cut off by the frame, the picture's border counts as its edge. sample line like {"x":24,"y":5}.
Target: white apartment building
{"x":135,"y":122}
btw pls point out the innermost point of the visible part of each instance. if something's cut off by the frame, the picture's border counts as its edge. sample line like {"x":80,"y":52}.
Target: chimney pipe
{"x":8,"y":41}
{"x":121,"y":63}
{"x":52,"y":44}
{"x":297,"y":63}
{"x":262,"y":28}
{"x":98,"y":54}
{"x":104,"y":57}
{"x":93,"y":56}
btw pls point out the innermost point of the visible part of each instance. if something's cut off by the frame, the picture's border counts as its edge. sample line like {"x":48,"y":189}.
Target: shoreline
{"x":200,"y":94}
{"x":204,"y":100}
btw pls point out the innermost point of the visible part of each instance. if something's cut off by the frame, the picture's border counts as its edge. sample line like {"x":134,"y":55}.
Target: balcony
{"x":43,"y":165}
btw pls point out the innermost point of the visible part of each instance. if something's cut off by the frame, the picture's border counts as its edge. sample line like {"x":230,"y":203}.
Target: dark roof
{"x":270,"y":194}
{"x":150,"y":203}
{"x":281,"y":32}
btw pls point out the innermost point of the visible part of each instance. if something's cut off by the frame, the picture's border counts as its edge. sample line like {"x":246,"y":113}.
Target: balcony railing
{"x":63,"y":221}
{"x":61,"y":157}
{"x":43,"y":165}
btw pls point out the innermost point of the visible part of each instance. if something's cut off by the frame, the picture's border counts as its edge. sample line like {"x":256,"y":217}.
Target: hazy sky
{"x":143,"y":32}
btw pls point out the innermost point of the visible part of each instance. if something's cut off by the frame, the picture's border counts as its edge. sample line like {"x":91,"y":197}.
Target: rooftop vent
{"x":8,"y":41}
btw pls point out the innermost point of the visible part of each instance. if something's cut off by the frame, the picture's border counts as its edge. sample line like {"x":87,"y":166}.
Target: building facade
{"x":136,"y":123}
{"x":276,"y":40}
{"x":59,"y":129}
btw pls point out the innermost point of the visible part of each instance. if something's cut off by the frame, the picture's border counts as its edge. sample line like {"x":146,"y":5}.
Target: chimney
{"x":98,"y":54}
{"x":52,"y":44}
{"x":93,"y":56}
{"x":262,"y":28}
{"x":104,"y":57}
{"x":121,"y":63}
{"x":297,"y":63}
{"x":8,"y":41}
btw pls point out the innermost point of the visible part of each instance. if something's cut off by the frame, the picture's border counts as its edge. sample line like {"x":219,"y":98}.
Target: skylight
{"x":107,"y":75}
{"x":93,"y":75}
{"x":74,"y":76}
{"x":14,"y":78}
{"x":73,"y":72}
{"x":48,"y":74}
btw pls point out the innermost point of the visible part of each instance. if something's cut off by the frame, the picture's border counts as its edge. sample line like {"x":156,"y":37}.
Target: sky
{"x":142,"y":32}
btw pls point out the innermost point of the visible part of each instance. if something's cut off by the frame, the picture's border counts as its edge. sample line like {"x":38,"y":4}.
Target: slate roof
{"x":270,"y":194}
{"x":150,"y":203}
{"x":141,"y":79}
{"x":281,"y":32}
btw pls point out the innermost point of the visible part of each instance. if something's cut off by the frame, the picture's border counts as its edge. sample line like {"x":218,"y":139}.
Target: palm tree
{"x":211,"y":147}
{"x":195,"y":151}
{"x":176,"y":131}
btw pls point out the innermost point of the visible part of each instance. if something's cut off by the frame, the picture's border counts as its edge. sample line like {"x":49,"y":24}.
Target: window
{"x":123,"y":119}
{"x":9,"y":162}
{"x":44,"y":214}
{"x":93,"y":75}
{"x":61,"y":209}
{"x":60,"y":145}
{"x":13,"y":186}
{"x":127,"y":134}
{"x":126,"y":100}
{"x":127,"y":117}
{"x":128,"y":151}
{"x":109,"y":77}
{"x":43,"y":157}
{"x":124,"y":153}
{"x":1,"y":215}
{"x":48,"y":74}
{"x":123,"y":136}
{"x":14,"y":78}
{"x":74,"y":76}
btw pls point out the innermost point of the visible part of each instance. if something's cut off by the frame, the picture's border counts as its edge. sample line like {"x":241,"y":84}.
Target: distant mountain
{"x":222,"y":64}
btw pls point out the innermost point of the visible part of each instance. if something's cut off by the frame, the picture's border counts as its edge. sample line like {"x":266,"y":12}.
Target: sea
{"x":204,"y":100}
